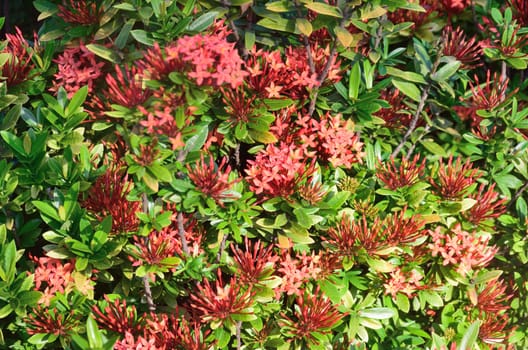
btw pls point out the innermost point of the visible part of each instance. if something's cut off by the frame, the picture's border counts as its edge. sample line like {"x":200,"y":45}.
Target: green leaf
{"x":160,"y":172}
{"x":446,"y":71}
{"x":402,"y":301}
{"x":47,"y":209}
{"x":262,"y":136}
{"x":277,"y":104}
{"x":324,"y":9}
{"x":354,"y":81}
{"x":95,"y":337}
{"x":77,"y":100}
{"x":303,"y":26}
{"x":14,"y":142}
{"x":104,"y":52}
{"x":434,"y":148}
{"x":195,"y":142}
{"x":11,"y":117}
{"x":378,"y":313}
{"x":407,"y":76}
{"x":203,"y":22}
{"x":280,"y":24}
{"x":142,"y":37}
{"x":344,"y":37}
{"x":280,"y":6}
{"x":122,"y":37}
{"x":408,"y":89}
{"x":485,"y":276}
{"x":470,"y":337}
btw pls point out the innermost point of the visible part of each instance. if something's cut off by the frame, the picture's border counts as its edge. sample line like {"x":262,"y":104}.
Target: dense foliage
{"x":252,"y":174}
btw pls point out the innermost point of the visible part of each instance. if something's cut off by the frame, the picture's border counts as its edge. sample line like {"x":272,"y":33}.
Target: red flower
{"x":520,"y":11}
{"x":255,"y":263}
{"x":418,"y":18}
{"x":128,"y":89}
{"x":455,"y":6}
{"x":402,"y":230}
{"x":494,"y":329}
{"x":18,"y":65}
{"x":350,"y":236}
{"x":52,"y":276}
{"x":51,"y":321}
{"x":172,"y":332}
{"x":77,"y":67}
{"x":467,"y":51}
{"x":454,"y":180}
{"x":116,"y":317}
{"x":238,"y":105}
{"x":80,"y":12}
{"x":407,"y":174}
{"x":162,"y":122}
{"x":277,"y":171}
{"x":397,"y":115}
{"x":219,"y":303}
{"x":493,"y":298}
{"x":107,"y":196}
{"x":314,"y":315}
{"x":156,"y":248}
{"x":487,"y":206}
{"x":331,"y":139}
{"x":463,"y":249}
{"x":506,"y":38}
{"x":212,"y":181}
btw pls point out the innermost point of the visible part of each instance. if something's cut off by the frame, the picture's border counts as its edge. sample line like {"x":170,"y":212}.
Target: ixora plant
{"x":251,"y":174}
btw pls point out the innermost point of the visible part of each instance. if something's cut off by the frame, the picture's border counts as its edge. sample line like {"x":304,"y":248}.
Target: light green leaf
{"x":408,"y":76}
{"x":470,"y":337}
{"x":203,"y":22}
{"x":377,"y":313}
{"x":324,"y":9}
{"x":408,"y":89}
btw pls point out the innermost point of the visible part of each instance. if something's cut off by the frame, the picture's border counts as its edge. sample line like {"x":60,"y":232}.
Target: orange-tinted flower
{"x":404,"y":282}
{"x":352,"y":235}
{"x":107,"y":196}
{"x":455,"y":6}
{"x":407,"y":174}
{"x":51,"y":321}
{"x":158,"y":246}
{"x":314,"y":315}
{"x":173,"y":332}
{"x":493,"y":298}
{"x":18,"y":65}
{"x":212,"y":181}
{"x":494,"y":328}
{"x":52,"y":276}
{"x":80,"y":12}
{"x":220,"y":302}
{"x":331,"y":140}
{"x":487,"y":206}
{"x":465,"y":250}
{"x":277,"y":171}
{"x":77,"y":66}
{"x":255,"y":263}
{"x":402,"y":230}
{"x":467,"y":51}
{"x":295,"y":270}
{"x":126,"y":89}
{"x":207,"y":59}
{"x":238,"y":105}
{"x":454,"y":180}
{"x":161,"y":122}
{"x":490,"y":94}
{"x":117,"y":317}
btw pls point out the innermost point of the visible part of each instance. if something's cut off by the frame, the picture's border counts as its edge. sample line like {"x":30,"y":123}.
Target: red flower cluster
{"x":126,"y":89}
{"x":454,"y":180}
{"x":467,"y":51}
{"x":276,"y":171}
{"x":80,"y":12}
{"x":119,"y":318}
{"x":78,"y":67}
{"x":208,"y":59}
{"x":52,"y":276}
{"x":350,"y":236}
{"x":407,"y":174}
{"x":212,"y":181}
{"x":331,"y":139}
{"x":218,"y":304}
{"x":107,"y":196}
{"x":18,"y":66}
{"x":254,"y":264}
{"x":458,"y":247}
{"x":404,"y":282}
{"x":314,"y":315}
{"x":487,"y":206}
{"x":272,"y":76}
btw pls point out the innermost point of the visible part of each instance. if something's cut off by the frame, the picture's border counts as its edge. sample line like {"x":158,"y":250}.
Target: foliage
{"x":253,"y":174}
